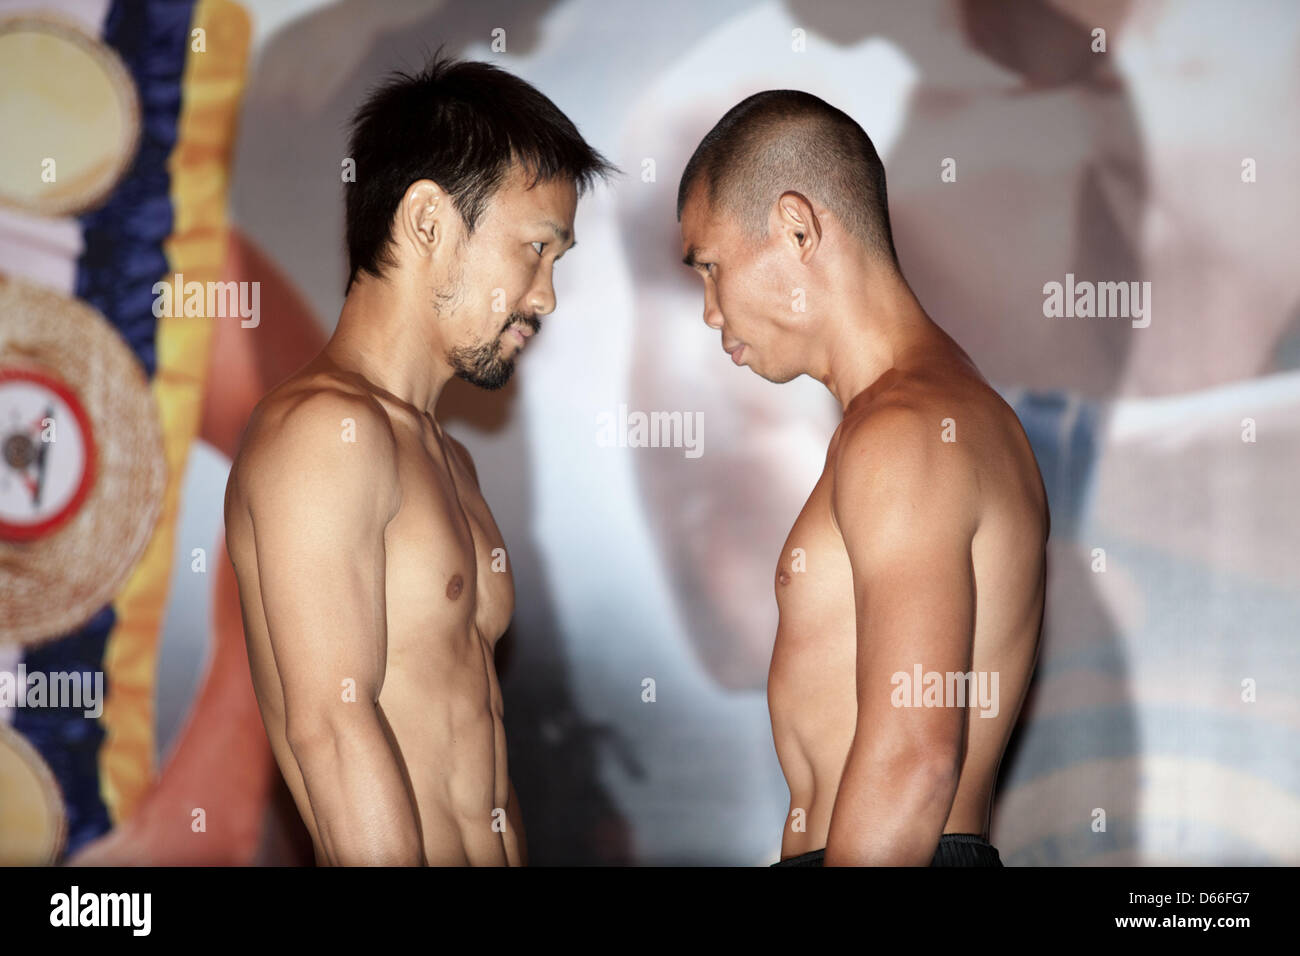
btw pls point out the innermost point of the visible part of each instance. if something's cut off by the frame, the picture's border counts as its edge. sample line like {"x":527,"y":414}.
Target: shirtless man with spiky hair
{"x":373,"y":579}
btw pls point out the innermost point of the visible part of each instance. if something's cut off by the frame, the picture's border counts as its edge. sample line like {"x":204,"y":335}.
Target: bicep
{"x":318,"y":527}
{"x":915,"y":616}
{"x":907,"y":529}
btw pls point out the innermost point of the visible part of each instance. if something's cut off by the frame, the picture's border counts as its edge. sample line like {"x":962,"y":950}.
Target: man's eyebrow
{"x":560,"y":232}
{"x":689,"y":258}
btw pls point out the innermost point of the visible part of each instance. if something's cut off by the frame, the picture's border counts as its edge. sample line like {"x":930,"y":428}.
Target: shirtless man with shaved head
{"x":910,"y":589}
{"x":373,"y":580}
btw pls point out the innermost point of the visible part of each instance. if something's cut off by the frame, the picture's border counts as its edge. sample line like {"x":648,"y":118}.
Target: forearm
{"x":890,"y":811}
{"x":359,"y":799}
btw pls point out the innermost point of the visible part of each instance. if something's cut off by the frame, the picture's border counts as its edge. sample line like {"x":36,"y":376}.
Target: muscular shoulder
{"x":322,"y":438}
{"x":901,"y":459}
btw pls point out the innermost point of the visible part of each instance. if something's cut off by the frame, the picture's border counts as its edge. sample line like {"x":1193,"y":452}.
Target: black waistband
{"x":817,"y":857}
{"x":964,"y":838}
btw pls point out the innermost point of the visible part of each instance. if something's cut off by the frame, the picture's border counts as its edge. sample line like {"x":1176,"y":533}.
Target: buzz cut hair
{"x":780,"y":141}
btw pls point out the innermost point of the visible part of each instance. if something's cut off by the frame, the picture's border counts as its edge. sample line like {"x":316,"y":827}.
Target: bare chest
{"x":814,"y":590}
{"x":447,"y":570}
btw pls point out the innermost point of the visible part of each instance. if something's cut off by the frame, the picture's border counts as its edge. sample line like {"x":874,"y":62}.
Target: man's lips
{"x":522,"y":333}
{"x":735,"y":351}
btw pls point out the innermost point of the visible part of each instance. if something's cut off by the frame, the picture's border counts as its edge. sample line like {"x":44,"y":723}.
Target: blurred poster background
{"x":1162,"y":725}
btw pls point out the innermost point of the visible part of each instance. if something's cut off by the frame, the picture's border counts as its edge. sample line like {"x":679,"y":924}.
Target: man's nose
{"x":541,"y":299}
{"x":712,"y":314}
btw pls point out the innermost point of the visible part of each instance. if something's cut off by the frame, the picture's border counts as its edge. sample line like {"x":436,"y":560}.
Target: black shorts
{"x":955,"y":849}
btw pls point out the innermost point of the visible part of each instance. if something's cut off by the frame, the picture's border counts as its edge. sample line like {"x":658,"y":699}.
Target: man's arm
{"x":319,"y":505}
{"x":903,"y":500}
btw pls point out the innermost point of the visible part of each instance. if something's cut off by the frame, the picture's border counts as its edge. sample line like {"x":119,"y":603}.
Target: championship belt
{"x":81,"y":464}
{"x":31,"y":810}
{"x":70,"y":114}
{"x":95,"y":147}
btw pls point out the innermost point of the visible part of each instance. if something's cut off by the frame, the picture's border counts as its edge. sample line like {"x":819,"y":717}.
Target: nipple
{"x":784,"y":576}
{"x":455,"y":586}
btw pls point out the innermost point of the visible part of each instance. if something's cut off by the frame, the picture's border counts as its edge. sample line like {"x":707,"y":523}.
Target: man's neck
{"x":869,"y":340}
{"x":381,"y":337}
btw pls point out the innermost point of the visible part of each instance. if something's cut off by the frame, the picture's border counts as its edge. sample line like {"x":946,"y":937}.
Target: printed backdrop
{"x":1162,"y":726}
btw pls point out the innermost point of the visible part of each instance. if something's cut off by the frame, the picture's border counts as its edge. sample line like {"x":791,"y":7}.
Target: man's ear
{"x":424,"y":217}
{"x":795,"y":222}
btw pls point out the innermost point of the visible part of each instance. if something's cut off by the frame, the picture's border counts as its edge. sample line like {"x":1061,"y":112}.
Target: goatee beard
{"x":483,"y":365}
